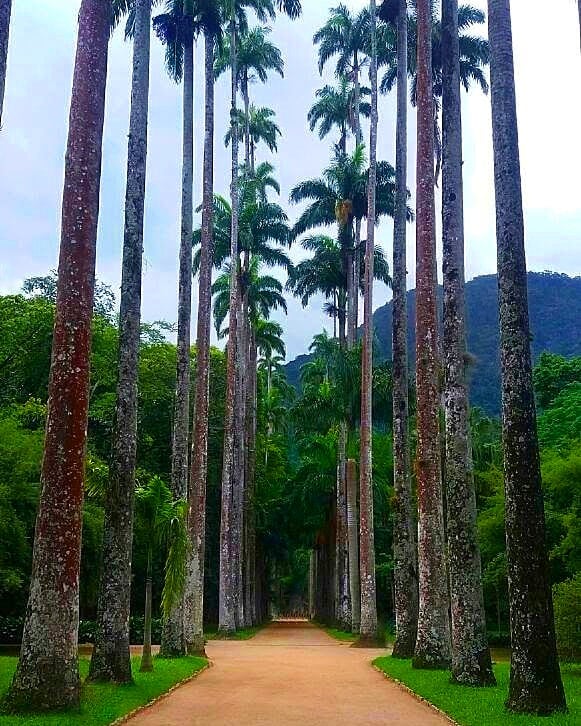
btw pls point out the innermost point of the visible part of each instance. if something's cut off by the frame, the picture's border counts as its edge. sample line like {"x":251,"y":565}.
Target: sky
{"x":33,"y":139}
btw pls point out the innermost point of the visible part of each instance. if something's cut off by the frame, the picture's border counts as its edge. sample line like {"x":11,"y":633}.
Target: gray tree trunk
{"x":239,"y":479}
{"x":111,"y":658}
{"x":47,"y":675}
{"x":250,"y":514}
{"x":535,"y":678}
{"x":5,"y":11}
{"x":146,"y":665}
{"x":404,"y":526}
{"x":369,"y":627}
{"x":194,"y":605}
{"x":353,"y":537}
{"x":433,"y":639}
{"x":227,"y":610}
{"x":173,"y":634}
{"x":342,"y":592}
{"x":471,"y":662}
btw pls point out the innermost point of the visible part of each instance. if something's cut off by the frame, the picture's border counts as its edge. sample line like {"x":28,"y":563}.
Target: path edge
{"x":416,"y":696}
{"x":161,"y":697}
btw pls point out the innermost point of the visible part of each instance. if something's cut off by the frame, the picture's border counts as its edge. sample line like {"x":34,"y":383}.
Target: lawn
{"x":481,"y":706}
{"x":242,"y":634}
{"x":103,"y":704}
{"x":347,"y":637}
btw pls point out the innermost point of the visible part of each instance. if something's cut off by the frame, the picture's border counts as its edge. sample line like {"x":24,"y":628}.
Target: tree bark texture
{"x":404,"y":526}
{"x":368,"y":629}
{"x":173,"y":634}
{"x":250,"y":514}
{"x":227,"y":610}
{"x":239,"y":478}
{"x":433,"y":638}
{"x":47,"y":676}
{"x":5,"y":12}
{"x":471,"y":662}
{"x":535,"y":679}
{"x":342,"y":593}
{"x":353,"y":539}
{"x":111,"y":658}
{"x":146,"y":659}
{"x":194,"y":606}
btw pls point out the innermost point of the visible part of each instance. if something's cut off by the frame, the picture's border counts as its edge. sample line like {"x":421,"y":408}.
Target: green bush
{"x":567,"y":602}
{"x":10,"y":630}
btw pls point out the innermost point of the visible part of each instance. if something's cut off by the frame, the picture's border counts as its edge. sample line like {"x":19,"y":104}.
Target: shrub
{"x":567,"y":603}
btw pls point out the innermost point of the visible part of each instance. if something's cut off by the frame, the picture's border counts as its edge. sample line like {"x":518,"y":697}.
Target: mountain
{"x":555,"y":312}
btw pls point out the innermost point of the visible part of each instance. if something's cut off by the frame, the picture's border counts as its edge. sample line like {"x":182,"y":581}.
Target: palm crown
{"x":335,"y":107}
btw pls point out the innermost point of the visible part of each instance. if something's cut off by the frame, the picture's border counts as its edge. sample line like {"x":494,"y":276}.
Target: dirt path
{"x":290,"y":673}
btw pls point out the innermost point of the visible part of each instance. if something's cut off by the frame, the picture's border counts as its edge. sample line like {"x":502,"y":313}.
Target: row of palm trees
{"x":250,"y":228}
{"x":438,"y":590}
{"x":47,"y":676}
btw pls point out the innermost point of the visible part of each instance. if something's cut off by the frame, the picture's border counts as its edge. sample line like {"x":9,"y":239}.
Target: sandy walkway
{"x":290,"y":673}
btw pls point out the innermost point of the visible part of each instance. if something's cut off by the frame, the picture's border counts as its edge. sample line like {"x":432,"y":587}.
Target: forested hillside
{"x":555,"y":310}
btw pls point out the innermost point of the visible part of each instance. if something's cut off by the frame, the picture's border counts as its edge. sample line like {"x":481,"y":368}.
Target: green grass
{"x":242,"y":634}
{"x":347,"y":637}
{"x":103,"y":704}
{"x":481,"y":706}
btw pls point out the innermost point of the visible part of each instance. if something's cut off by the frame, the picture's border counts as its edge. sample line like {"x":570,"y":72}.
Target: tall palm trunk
{"x":173,"y":635}
{"x":249,"y":580}
{"x":47,"y":676}
{"x":356,"y":259}
{"x":535,"y":679}
{"x":227,"y":615}
{"x":433,"y":639}
{"x":239,"y":474}
{"x":367,"y":546}
{"x":343,"y":612}
{"x":146,"y":665}
{"x":353,"y":541}
{"x":194,"y":607}
{"x":111,"y":659}
{"x":471,"y":663}
{"x":5,"y":11}
{"x":404,"y":527}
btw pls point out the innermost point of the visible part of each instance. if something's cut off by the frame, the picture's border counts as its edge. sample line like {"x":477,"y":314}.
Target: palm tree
{"x":335,"y":107}
{"x":340,"y":197}
{"x":111,"y":658}
{"x":262,"y":179}
{"x":175,"y":28}
{"x":5,"y":11}
{"x":535,"y":679}
{"x":346,"y":37}
{"x":404,"y":529}
{"x":259,"y":127}
{"x":433,"y":638}
{"x":474,"y":57}
{"x":165,"y":520}
{"x":194,"y":594}
{"x":471,"y":662}
{"x":235,"y":15}
{"x":47,"y":676}
{"x":256,"y":56}
{"x":367,"y":548}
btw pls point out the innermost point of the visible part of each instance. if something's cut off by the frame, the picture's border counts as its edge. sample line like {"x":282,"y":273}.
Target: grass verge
{"x":347,"y":637}
{"x":105,"y":703}
{"x":242,"y":634}
{"x":481,"y":706}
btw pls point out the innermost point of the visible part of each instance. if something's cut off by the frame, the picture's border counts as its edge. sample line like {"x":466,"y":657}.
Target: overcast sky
{"x":32,"y":145}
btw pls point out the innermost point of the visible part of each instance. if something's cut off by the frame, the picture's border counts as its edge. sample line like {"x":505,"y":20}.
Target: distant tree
{"x":336,"y":107}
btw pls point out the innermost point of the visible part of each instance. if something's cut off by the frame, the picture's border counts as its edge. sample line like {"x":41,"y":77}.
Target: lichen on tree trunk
{"x":535,"y":679}
{"x":47,"y":675}
{"x":342,"y":593}
{"x":173,"y":635}
{"x":369,"y":625}
{"x":111,"y":658}
{"x":227,"y":605}
{"x":471,"y":662}
{"x":194,"y":595}
{"x":404,"y":528}
{"x":353,"y":540}
{"x":433,"y":637}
